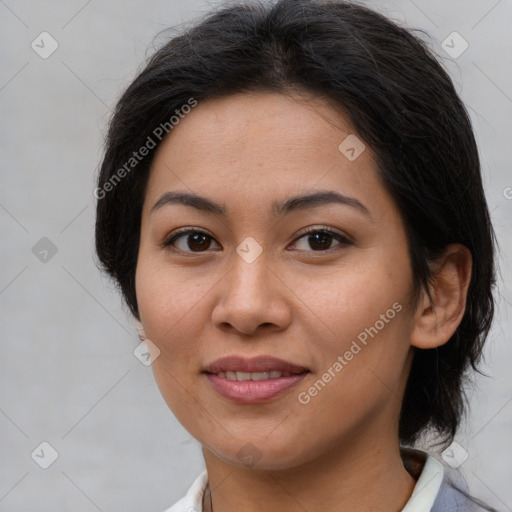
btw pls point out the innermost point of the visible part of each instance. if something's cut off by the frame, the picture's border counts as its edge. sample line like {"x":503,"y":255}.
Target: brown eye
{"x":190,"y":240}
{"x":321,"y":239}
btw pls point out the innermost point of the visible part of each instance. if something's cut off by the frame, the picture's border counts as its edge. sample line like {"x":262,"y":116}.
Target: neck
{"x":348,"y":479}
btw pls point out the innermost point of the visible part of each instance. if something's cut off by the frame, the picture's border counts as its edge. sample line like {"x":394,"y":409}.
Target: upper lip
{"x":255,"y":364}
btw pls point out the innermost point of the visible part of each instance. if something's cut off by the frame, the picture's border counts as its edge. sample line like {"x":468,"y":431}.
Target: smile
{"x":243,"y":376}
{"x":253,"y":387}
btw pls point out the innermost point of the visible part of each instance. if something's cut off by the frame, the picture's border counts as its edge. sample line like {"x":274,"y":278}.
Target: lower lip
{"x":253,"y":391}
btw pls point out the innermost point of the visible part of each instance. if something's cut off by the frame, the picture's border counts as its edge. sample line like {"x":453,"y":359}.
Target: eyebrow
{"x":279,"y":208}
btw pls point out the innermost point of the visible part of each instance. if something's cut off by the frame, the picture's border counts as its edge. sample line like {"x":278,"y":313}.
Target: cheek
{"x":363,"y":317}
{"x":170,"y":307}
{"x":169,"y":310}
{"x":345,"y":302}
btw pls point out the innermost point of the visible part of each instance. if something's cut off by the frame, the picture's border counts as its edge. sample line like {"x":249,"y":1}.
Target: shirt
{"x":435,"y":490}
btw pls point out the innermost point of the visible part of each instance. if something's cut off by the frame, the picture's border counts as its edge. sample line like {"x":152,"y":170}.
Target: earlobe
{"x":436,"y":322}
{"x":140,"y":329}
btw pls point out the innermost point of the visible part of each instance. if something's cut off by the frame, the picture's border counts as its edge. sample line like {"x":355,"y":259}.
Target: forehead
{"x":256,"y":147}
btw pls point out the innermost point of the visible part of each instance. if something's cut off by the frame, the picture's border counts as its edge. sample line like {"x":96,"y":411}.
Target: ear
{"x":435,"y":324}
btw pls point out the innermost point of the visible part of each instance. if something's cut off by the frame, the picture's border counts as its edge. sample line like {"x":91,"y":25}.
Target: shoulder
{"x":193,"y":499}
{"x":439,"y":488}
{"x":453,"y":498}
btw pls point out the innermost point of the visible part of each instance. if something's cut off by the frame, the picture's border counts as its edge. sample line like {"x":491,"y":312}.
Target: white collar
{"x":427,"y":485}
{"x":423,"y":495}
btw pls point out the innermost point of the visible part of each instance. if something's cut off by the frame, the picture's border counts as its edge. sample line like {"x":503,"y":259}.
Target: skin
{"x":306,"y":305}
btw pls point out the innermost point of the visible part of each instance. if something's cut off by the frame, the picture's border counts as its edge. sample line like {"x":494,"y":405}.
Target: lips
{"x":255,"y":380}
{"x":253,"y":365}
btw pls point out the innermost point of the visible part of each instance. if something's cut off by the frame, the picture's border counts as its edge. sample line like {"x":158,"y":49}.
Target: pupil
{"x":196,"y":239}
{"x":321,"y":238}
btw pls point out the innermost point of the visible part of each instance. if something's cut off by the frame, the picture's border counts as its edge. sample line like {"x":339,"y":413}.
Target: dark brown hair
{"x":403,"y":105}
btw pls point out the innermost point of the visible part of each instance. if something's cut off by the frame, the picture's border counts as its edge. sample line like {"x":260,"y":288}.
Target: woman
{"x":291,"y":204}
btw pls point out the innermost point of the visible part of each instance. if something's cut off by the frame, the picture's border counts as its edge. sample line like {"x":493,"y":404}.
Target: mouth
{"x":255,"y":380}
{"x":256,"y":376}
{"x":267,"y":366}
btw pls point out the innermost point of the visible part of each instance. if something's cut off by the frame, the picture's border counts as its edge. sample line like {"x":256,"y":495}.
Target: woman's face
{"x":334,"y":306}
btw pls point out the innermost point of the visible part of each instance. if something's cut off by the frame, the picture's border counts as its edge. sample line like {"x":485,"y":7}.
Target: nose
{"x":251,"y":298}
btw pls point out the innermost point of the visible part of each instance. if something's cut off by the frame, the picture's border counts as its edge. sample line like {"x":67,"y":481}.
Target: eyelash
{"x":343,"y":241}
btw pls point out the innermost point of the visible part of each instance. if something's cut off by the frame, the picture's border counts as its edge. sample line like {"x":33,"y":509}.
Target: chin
{"x":261,"y":453}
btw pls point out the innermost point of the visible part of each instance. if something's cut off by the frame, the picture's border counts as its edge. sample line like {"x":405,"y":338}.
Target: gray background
{"x":68,"y":375}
